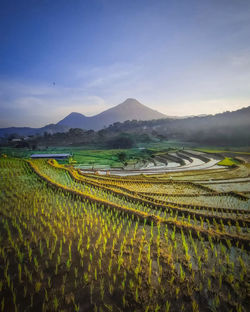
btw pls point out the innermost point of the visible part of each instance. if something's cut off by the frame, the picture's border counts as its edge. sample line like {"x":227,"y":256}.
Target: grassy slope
{"x":84,"y":156}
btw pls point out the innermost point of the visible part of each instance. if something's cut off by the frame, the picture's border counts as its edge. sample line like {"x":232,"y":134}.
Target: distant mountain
{"x":130,"y":109}
{"x":26,"y":131}
{"x":220,"y":129}
{"x":75,"y":120}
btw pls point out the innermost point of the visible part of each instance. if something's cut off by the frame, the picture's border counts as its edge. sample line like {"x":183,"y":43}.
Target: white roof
{"x":49,"y":155}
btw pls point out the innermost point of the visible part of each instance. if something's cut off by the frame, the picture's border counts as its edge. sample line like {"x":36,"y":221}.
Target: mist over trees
{"x":229,"y":128}
{"x":226,"y":129}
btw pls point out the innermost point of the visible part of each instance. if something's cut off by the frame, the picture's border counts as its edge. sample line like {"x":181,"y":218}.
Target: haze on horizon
{"x":177,"y":57}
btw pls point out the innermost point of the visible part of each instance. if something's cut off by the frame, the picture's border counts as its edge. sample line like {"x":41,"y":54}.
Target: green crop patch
{"x":227,"y":161}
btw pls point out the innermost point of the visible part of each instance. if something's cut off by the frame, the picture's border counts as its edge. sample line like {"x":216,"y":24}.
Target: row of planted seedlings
{"x":194,"y":262}
{"x":222,"y":211}
{"x":239,"y":211}
{"x":52,"y":271}
{"x":147,"y":184}
{"x":192,"y":175}
{"x":22,"y":240}
{"x":213,"y":220}
{"x":165,"y":198}
{"x":210,"y":265}
{"x":219,"y":227}
{"x":40,"y":226}
{"x":215,"y":175}
{"x":242,"y":187}
{"x":22,"y":233}
{"x":235,"y":218}
{"x":229,"y":213}
{"x":229,"y":223}
{"x":217,"y":200}
{"x":57,"y":175}
{"x":171,"y":195}
{"x":48,"y":263}
{"x":234,"y":194}
{"x":180,"y":214}
{"x":170,"y":282}
{"x":184,"y":273}
{"x":229,"y":277}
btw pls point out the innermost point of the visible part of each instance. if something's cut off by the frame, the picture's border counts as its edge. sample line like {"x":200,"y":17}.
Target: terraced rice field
{"x":74,"y":241}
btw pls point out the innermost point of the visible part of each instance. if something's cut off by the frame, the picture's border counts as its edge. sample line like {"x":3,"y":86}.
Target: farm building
{"x":54,"y":156}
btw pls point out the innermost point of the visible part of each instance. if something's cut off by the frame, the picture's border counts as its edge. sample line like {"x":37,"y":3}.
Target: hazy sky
{"x":180,"y":57}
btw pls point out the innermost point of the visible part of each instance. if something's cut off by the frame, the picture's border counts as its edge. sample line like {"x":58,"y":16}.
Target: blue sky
{"x":179,"y":57}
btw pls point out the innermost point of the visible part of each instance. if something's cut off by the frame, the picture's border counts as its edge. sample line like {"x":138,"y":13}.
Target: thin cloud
{"x":20,"y":101}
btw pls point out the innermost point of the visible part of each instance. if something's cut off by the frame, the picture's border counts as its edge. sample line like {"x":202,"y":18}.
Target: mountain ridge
{"x":27,"y":131}
{"x":130,"y":109}
{"x":233,"y":121}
